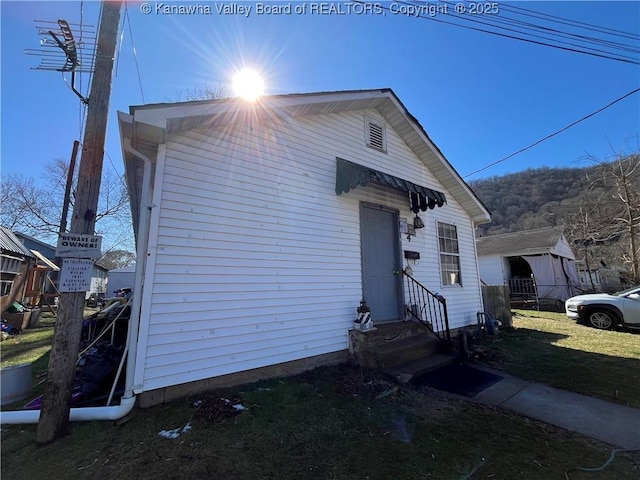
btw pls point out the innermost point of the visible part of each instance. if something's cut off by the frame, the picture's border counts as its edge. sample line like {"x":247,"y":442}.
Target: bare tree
{"x":116,"y":259}
{"x":204,"y":91}
{"x":34,"y":208}
{"x":624,"y":173}
{"x":606,"y":225}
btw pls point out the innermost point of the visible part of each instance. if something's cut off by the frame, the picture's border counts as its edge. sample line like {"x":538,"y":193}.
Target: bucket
{"x":34,"y":319}
{"x":15,"y":383}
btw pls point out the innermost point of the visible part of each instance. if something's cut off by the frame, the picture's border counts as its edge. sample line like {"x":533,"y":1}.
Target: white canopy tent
{"x":556,"y":277}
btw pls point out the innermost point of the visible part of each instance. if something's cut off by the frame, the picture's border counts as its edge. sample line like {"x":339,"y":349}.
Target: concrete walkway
{"x":606,"y":421}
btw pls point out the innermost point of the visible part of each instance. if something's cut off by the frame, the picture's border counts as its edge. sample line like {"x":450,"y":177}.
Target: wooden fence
{"x":496,"y":300}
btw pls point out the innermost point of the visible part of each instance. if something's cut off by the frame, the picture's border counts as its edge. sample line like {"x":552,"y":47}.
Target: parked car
{"x":605,"y":311}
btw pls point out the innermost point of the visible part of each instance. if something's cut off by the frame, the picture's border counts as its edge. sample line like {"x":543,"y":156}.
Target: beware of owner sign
{"x":79,"y":245}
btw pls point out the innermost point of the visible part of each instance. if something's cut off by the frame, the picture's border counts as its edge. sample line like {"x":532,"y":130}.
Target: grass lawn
{"x":343,"y":423}
{"x":552,"y":349}
{"x":31,"y":346}
{"x":332,"y":423}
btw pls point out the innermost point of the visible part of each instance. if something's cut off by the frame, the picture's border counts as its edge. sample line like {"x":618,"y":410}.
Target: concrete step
{"x":406,"y":350}
{"x":406,"y":372}
{"x":389,"y":332}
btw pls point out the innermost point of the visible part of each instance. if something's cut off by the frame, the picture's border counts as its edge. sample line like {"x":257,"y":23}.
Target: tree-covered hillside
{"x":598,"y":207}
{"x":530,"y":199}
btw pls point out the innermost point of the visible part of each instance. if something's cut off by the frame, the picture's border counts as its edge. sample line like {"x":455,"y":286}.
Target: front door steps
{"x":404,"y":349}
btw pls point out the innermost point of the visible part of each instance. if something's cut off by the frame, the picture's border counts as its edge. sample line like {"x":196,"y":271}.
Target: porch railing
{"x":429,"y":308}
{"x":524,"y":291}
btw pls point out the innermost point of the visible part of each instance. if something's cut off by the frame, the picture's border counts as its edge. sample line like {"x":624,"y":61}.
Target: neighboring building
{"x":16,"y":262}
{"x":535,"y":264}
{"x":597,"y":277}
{"x":41,"y":288}
{"x":119,"y":278}
{"x":99,"y":280}
{"x":271,"y":221}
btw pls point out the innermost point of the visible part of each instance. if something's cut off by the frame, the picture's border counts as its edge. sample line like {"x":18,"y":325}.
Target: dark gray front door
{"x":381,"y":267}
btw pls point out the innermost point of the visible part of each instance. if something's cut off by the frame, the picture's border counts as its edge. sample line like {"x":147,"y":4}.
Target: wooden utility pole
{"x":54,"y":415}
{"x":67,"y":189}
{"x":67,"y":196}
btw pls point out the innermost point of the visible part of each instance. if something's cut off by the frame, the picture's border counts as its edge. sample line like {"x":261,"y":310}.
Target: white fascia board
{"x":157,"y":115}
{"x":444,"y":167}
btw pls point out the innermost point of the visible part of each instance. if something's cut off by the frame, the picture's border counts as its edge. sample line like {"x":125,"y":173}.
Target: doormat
{"x":460,"y":379}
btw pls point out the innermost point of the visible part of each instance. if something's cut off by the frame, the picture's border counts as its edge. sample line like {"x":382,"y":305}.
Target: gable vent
{"x":376,"y":135}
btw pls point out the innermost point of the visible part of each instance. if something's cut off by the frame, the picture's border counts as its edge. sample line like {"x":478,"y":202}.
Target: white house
{"x":269,"y":222}
{"x":597,"y":277}
{"x":535,"y":264}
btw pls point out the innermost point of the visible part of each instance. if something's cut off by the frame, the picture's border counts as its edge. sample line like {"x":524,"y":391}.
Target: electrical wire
{"x":135,"y":53}
{"x":515,"y":35}
{"x":82,"y":106}
{"x":567,"y":21}
{"x":120,"y":176}
{"x":501,"y":18}
{"x":605,"y":464}
{"x":553,"y":134}
{"x":528,"y":27}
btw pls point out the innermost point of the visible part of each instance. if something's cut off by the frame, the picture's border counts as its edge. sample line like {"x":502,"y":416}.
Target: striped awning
{"x":350,"y":175}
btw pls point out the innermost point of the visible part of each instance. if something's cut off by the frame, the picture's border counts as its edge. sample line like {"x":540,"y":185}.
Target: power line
{"x":495,"y":20}
{"x":571,"y":48}
{"x":528,"y":26}
{"x":567,"y":21}
{"x":554,"y":133}
{"x":133,"y":45}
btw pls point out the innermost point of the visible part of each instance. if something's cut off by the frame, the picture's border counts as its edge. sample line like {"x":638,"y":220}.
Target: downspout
{"x":128,"y":400}
{"x":141,"y":263}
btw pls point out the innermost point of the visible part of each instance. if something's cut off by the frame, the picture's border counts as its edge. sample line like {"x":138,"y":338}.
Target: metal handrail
{"x":429,"y":308}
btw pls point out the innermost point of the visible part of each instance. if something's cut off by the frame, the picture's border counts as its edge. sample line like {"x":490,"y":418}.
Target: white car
{"x":605,"y":311}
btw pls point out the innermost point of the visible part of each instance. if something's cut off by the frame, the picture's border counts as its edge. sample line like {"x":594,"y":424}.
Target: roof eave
{"x":168,"y":118}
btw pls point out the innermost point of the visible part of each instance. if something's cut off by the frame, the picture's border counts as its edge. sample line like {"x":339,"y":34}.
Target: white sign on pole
{"x":75,"y":275}
{"x":79,"y":245}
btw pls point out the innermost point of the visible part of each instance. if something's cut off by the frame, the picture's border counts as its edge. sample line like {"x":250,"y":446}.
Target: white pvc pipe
{"x":75,"y":415}
{"x":128,"y":400}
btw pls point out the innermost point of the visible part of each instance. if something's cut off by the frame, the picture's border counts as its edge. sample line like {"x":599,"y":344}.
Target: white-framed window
{"x":449,"y":254}
{"x":375,"y":133}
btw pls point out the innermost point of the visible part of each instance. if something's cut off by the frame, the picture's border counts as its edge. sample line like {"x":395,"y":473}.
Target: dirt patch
{"x":358,"y":382}
{"x":215,"y":409}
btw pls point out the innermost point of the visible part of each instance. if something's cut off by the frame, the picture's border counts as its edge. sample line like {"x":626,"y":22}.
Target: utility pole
{"x":67,"y":189}
{"x":54,"y":415}
{"x":67,"y":196}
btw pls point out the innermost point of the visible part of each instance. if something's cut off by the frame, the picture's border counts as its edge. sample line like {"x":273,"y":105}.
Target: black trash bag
{"x":97,"y":368}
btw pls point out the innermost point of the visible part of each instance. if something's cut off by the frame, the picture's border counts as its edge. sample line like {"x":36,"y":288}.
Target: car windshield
{"x":626,"y":292}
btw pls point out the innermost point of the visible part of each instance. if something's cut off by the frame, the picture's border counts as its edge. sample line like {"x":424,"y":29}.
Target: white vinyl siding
{"x":493,"y":269}
{"x":254,"y":260}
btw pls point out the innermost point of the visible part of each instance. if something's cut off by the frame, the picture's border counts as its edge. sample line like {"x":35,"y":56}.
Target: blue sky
{"x":480,"y":97}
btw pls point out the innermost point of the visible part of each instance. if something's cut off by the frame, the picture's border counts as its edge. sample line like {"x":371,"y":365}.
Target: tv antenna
{"x":61,"y":52}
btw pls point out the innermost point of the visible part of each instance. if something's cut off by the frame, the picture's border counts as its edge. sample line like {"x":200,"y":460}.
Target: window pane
{"x":449,"y":254}
{"x":450,"y":269}
{"x":448,"y":238}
